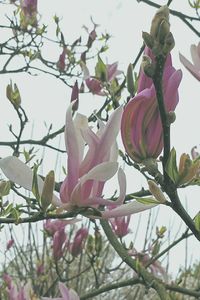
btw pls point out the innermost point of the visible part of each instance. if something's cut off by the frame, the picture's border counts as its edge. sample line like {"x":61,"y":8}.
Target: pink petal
{"x":122,"y":187}
{"x":110,"y":133}
{"x":72,"y":147}
{"x":190,"y":67}
{"x":64,"y":291}
{"x":195,"y":56}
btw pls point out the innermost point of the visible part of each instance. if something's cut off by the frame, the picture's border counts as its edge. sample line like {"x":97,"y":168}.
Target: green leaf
{"x":130,"y":81}
{"x":35,"y":189}
{"x":197,"y":222}
{"x":5,"y":187}
{"x":147,"y":200}
{"x":15,"y":214}
{"x":47,"y":192}
{"x":101,"y":70}
{"x":7,"y":210}
{"x":171,"y":166}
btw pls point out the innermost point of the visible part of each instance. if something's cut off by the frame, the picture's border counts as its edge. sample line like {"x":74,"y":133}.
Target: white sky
{"x":45,"y":98}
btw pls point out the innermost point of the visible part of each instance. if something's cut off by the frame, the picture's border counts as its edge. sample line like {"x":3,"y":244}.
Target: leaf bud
{"x":148,"y":66}
{"x":156,"y":191}
{"x":148,"y":39}
{"x":13,"y":95}
{"x":47,"y":192}
{"x":162,"y":14}
{"x":169,"y":44}
{"x":171,"y":117}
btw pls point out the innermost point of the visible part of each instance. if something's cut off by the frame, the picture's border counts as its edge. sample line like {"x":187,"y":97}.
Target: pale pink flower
{"x":17,"y":293}
{"x":86,"y":175}
{"x":95,"y":85}
{"x":156,"y":268}
{"x":194,"y":153}
{"x":194,"y":68}
{"x":120,"y":225}
{"x":67,"y":294}
{"x":8,"y":280}
{"x":52,"y":226}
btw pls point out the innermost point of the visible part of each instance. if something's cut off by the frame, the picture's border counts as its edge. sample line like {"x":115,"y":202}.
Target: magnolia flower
{"x":155,"y":267}
{"x":59,"y":242}
{"x":141,"y":127}
{"x":67,"y":294}
{"x":61,"y":61}
{"x":52,"y":226}
{"x":18,"y":293}
{"x":9,"y":244}
{"x":78,"y":243}
{"x":194,"y":68}
{"x":28,"y":13}
{"x":86,"y":175}
{"x":194,"y":153}
{"x":120,"y":225}
{"x":95,"y":85}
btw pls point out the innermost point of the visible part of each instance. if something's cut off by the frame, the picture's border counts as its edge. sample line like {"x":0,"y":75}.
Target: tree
{"x":79,"y":246}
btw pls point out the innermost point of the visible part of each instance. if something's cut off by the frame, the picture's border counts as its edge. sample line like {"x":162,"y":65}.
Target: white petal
{"x":126,"y":209}
{"x":18,"y":172}
{"x":81,"y":124}
{"x":101,"y":172}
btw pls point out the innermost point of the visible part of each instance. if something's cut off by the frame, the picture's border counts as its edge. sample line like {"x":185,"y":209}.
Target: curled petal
{"x":18,"y":172}
{"x":190,"y":67}
{"x":126,"y":209}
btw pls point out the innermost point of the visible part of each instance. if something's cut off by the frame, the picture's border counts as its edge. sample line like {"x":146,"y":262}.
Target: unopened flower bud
{"x":148,"y":66}
{"x":156,"y":191}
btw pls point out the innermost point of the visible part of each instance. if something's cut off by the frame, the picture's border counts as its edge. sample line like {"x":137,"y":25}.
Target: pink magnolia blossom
{"x":9,"y":244}
{"x":77,"y":245}
{"x":29,"y":6}
{"x":194,"y":68}
{"x":8,"y":280}
{"x":59,"y":242}
{"x":86,"y":175}
{"x":120,"y":225}
{"x":67,"y":294}
{"x":95,"y":85}
{"x":141,"y":127}
{"x":52,"y":226}
{"x":56,"y":229}
{"x":28,"y":12}
{"x":194,"y":153}
{"x":40,"y":269}
{"x":61,"y":61}
{"x":17,"y":293}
